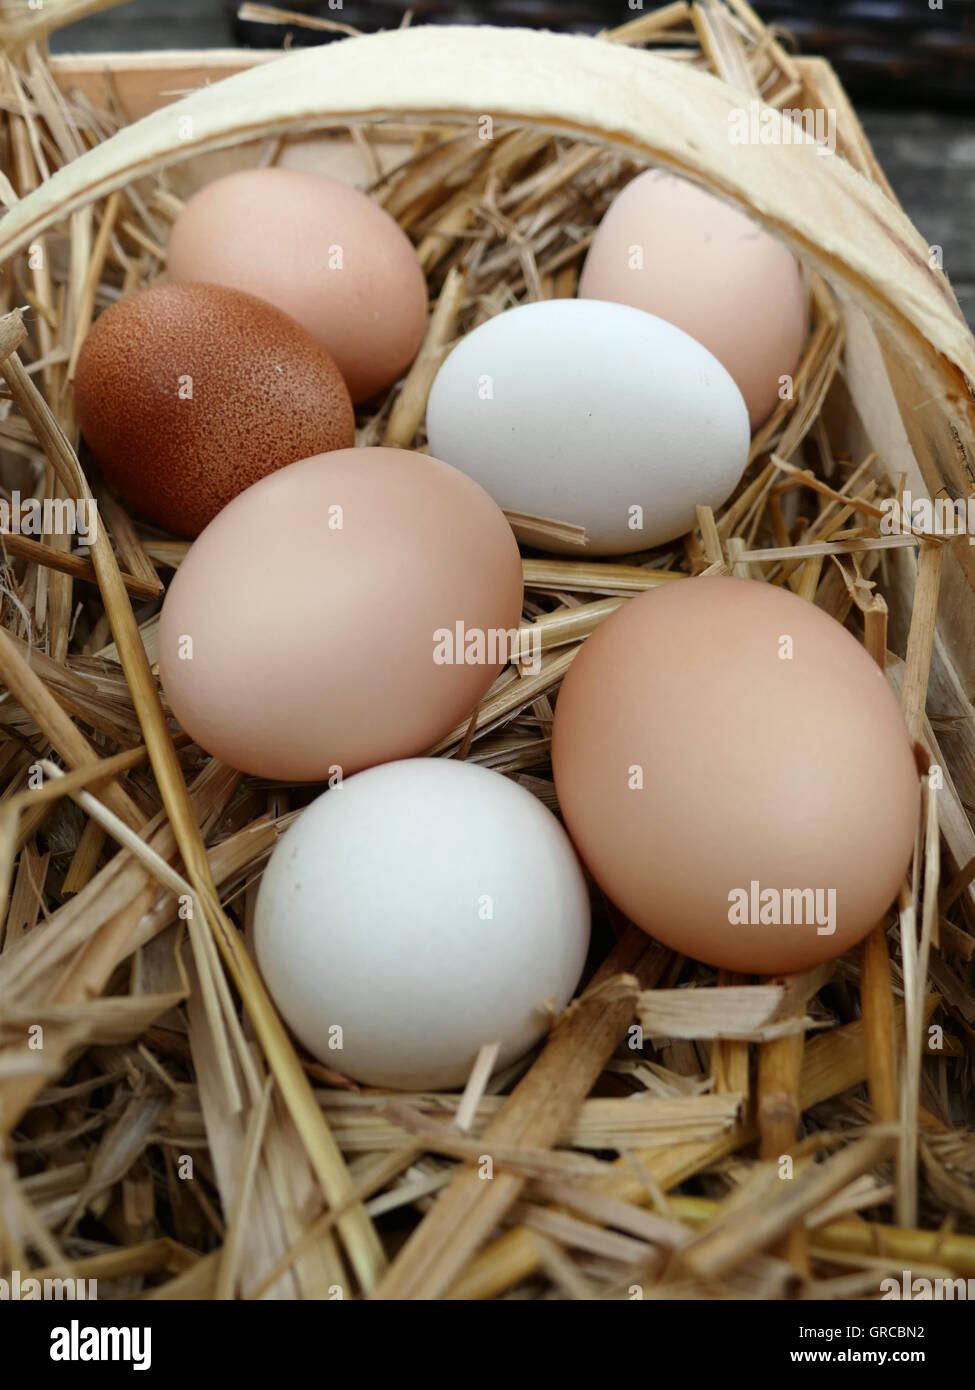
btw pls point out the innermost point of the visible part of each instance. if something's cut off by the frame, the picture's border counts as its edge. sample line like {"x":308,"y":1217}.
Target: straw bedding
{"x":166,"y":1137}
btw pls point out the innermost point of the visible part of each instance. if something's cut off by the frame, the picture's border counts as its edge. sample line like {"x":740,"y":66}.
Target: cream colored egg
{"x":320,"y":250}
{"x":675,"y":250}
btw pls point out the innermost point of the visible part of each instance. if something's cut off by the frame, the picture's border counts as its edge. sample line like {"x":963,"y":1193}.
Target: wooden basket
{"x":168,"y":1139}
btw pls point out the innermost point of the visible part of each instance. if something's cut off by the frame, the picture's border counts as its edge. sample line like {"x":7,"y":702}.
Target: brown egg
{"x":310,"y":631}
{"x":189,"y":393}
{"x":736,"y":773}
{"x":321,"y":251}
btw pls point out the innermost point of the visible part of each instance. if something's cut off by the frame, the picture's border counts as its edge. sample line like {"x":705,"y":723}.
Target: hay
{"x":162,"y":1056}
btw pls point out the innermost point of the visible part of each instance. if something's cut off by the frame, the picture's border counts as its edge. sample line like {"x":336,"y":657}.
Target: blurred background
{"x":909,"y":66}
{"x":888,"y":51}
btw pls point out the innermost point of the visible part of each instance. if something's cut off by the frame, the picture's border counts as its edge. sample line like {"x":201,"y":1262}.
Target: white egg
{"x":592,"y":413}
{"x":420,"y":910}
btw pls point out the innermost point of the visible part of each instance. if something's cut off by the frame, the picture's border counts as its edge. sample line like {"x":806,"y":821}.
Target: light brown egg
{"x":321,"y":251}
{"x":675,"y":250}
{"x":311,"y":630}
{"x":187,"y":394}
{"x":721,"y":746}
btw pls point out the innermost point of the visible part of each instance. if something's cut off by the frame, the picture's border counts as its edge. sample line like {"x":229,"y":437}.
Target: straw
{"x":663,"y":1076}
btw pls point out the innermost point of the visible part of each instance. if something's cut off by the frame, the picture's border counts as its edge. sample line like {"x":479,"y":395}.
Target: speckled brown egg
{"x":188,"y":393}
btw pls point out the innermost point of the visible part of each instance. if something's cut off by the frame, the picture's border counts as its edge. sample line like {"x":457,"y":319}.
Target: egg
{"x":673,"y":249}
{"x":418,"y":912}
{"x":346,"y":610}
{"x":594,"y":414}
{"x":321,"y":251}
{"x":735,"y":772}
{"x":186,"y":394}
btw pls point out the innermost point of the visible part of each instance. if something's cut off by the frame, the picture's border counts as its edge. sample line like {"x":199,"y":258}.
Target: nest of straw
{"x":164,"y":1136}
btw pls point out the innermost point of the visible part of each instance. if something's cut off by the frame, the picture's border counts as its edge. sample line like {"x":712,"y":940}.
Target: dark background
{"x":908,"y":65}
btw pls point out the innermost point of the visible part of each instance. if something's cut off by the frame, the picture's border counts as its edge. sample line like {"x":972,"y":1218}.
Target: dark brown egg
{"x":189,"y":393}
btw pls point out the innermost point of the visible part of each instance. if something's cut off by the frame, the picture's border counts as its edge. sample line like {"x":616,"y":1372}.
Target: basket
{"x":168,"y":1139}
